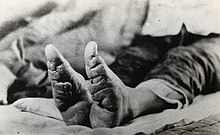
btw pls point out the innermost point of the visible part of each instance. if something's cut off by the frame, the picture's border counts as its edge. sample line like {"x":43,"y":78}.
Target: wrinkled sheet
{"x":209,"y":125}
{"x":14,"y":121}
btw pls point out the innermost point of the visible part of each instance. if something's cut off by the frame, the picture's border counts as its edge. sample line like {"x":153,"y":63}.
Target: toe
{"x":90,"y":52}
{"x":63,"y":86}
{"x":95,"y":61}
{"x":59,"y":67}
{"x":63,"y":95}
{"x":62,"y":92}
{"x":95,"y":65}
{"x":96,"y":71}
{"x":53,"y":56}
{"x":60,"y":71}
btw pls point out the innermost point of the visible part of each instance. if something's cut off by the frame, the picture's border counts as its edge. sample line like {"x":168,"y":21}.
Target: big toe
{"x":90,"y":52}
{"x":92,"y":59}
{"x":59,"y":67}
{"x":53,"y":56}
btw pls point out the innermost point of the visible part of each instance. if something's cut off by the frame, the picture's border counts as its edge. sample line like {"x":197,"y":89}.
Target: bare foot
{"x":69,"y":89}
{"x":110,"y":94}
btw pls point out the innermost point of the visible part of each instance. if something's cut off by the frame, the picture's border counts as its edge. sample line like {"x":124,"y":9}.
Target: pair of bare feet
{"x":100,"y":101}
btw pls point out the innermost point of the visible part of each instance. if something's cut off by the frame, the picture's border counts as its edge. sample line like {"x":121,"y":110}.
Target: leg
{"x":69,"y":89}
{"x":187,"y":72}
{"x":115,"y":103}
{"x":184,"y":73}
{"x":190,"y":70}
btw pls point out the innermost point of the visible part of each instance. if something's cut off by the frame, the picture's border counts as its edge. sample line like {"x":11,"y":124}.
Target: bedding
{"x":40,"y":116}
{"x":164,"y":18}
{"x":35,"y":119}
{"x":209,"y":125}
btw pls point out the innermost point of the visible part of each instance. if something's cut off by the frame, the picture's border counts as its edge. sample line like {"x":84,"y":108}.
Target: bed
{"x":40,"y":116}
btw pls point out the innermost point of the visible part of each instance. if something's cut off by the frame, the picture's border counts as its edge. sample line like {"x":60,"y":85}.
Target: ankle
{"x":126,"y":111}
{"x":135,"y":100}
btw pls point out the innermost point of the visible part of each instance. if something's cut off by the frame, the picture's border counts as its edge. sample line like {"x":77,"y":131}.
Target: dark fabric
{"x":134,"y":62}
{"x":186,"y":61}
{"x":193,"y":69}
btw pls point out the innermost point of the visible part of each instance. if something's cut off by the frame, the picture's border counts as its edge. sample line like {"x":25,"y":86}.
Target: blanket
{"x":164,"y":17}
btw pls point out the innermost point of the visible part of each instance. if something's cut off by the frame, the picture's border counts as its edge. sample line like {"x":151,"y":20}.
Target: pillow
{"x":41,"y":106}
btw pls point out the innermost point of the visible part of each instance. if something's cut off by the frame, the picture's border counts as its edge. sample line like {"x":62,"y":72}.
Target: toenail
{"x":97,"y":71}
{"x":51,"y":66}
{"x":70,"y":93}
{"x":59,"y":68}
{"x":97,"y":79}
{"x":54,"y":75}
{"x":91,"y":80}
{"x":65,"y":87}
{"x":95,"y":61}
{"x":93,"y":97}
{"x":67,"y":92}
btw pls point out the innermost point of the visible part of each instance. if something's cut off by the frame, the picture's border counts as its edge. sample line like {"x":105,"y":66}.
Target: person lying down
{"x":104,"y":101}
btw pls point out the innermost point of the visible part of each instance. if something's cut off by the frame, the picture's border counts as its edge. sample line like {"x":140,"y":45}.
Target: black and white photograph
{"x":110,"y":67}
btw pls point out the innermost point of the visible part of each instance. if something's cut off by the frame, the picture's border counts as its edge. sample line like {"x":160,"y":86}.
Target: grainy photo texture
{"x":128,"y":67}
